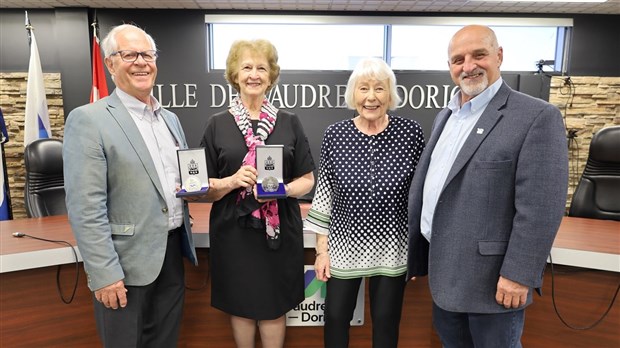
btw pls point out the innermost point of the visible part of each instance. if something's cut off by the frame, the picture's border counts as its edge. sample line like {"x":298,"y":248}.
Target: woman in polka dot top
{"x":359,"y":211}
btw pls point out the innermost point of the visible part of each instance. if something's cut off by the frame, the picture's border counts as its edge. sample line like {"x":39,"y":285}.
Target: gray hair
{"x":372,"y":68}
{"x":109,"y":44}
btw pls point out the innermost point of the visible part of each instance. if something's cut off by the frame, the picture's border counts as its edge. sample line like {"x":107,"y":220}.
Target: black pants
{"x":386,"y":303}
{"x":152,"y":317}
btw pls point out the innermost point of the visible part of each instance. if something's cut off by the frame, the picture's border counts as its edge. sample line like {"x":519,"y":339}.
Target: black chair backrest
{"x":45,"y":185}
{"x":598,"y":193}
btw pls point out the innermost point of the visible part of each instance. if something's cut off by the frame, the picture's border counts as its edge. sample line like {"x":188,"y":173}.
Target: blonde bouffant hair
{"x":258,"y":47}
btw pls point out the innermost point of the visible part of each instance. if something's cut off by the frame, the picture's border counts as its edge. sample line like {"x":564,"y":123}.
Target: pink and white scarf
{"x":267,"y":212}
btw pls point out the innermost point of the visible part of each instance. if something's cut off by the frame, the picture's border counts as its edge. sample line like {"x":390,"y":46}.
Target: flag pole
{"x":95,"y":25}
{"x":29,"y":28}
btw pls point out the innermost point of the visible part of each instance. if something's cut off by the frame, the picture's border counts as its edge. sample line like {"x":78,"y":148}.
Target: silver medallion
{"x":270,"y":184}
{"x":192,"y":184}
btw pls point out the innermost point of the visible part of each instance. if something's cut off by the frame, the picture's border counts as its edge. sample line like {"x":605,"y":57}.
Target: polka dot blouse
{"x":361,"y":196}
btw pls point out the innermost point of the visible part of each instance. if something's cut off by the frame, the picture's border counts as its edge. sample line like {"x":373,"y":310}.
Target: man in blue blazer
{"x":121,"y":175}
{"x":486,"y":200}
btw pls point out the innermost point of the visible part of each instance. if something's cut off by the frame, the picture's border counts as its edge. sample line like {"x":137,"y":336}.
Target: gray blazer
{"x":500,"y":208}
{"x":115,"y":200}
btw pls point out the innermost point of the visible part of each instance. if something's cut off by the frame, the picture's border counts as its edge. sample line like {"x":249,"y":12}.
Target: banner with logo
{"x":311,"y":311}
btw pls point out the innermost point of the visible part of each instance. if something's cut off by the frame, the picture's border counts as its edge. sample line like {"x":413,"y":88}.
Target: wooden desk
{"x":26,"y":253}
{"x":587,"y":243}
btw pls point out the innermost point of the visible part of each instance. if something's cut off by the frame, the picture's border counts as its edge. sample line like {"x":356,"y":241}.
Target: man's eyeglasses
{"x":131,"y":56}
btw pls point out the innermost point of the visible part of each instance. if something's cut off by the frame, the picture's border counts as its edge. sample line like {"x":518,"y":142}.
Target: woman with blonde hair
{"x":256,"y":247}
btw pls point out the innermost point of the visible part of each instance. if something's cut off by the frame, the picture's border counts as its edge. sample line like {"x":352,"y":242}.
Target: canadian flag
{"x":100,"y":87}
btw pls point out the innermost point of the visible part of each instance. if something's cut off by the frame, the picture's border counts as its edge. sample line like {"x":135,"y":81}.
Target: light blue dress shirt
{"x":458,"y":127}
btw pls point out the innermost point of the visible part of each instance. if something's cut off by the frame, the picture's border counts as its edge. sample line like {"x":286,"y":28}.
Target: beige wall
{"x":590,"y":104}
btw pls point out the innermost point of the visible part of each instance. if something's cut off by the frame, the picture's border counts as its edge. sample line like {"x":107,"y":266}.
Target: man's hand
{"x":510,"y":294}
{"x":113,"y":295}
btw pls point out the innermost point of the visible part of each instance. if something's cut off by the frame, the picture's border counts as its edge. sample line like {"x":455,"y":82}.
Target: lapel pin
{"x":479,"y":131}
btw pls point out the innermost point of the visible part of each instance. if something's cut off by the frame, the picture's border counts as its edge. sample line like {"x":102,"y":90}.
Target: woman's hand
{"x":244,"y":177}
{"x":321,"y":266}
{"x":261,"y":200}
{"x":321,"y":263}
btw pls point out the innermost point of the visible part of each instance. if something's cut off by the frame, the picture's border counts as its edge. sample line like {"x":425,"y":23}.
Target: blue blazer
{"x":500,"y":207}
{"x":115,"y":200}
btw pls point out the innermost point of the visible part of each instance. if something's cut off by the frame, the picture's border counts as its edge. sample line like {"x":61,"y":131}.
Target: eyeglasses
{"x":131,"y":56}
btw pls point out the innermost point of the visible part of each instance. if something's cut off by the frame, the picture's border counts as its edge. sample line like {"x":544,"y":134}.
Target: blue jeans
{"x":500,"y":330}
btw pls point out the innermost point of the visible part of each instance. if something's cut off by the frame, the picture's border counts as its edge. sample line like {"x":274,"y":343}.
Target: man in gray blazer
{"x":486,"y":200}
{"x":121,"y":174}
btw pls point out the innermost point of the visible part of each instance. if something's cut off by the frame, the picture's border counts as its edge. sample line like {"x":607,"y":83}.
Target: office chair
{"x":45,"y":185}
{"x":598,"y":193}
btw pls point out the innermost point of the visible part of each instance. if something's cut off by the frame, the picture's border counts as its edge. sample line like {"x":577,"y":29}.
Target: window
{"x":304,"y":46}
{"x":423,"y":47}
{"x":407,"y":43}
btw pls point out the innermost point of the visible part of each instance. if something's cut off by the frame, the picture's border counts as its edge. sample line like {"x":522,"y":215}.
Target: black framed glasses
{"x":130,"y":56}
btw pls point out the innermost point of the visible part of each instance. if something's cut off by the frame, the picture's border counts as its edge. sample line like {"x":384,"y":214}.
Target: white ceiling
{"x":438,"y":6}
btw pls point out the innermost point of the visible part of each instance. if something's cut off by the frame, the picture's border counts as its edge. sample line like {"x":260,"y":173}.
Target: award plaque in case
{"x":193,"y":170}
{"x":269,"y":164}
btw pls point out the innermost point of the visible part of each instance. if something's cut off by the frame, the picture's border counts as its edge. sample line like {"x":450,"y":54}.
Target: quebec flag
{"x":4,"y":201}
{"x":37,"y":121}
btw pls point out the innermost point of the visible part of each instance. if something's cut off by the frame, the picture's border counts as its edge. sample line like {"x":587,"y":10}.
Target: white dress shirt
{"x":162,"y":147}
